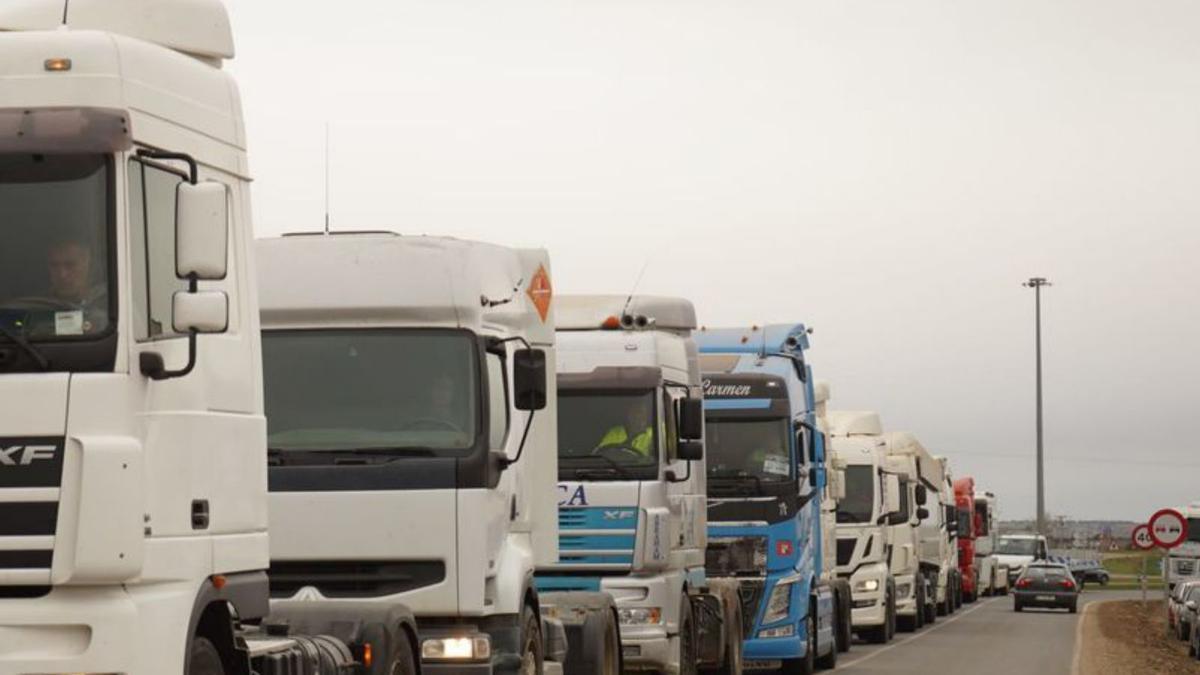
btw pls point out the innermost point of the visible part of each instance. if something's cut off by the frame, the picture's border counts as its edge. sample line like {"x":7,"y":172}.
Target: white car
{"x":1016,"y":551}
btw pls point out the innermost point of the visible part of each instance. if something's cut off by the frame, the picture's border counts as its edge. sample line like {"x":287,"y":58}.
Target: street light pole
{"x":1036,"y":284}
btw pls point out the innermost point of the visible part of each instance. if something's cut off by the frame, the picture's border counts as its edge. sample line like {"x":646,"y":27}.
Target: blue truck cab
{"x":766,"y":475}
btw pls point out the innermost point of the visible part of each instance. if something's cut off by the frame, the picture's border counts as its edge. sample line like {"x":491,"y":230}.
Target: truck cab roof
{"x":390,"y":280}
{"x":198,"y":28}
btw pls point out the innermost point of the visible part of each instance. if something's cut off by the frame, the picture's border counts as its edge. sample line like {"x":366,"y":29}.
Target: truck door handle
{"x":199,"y":514}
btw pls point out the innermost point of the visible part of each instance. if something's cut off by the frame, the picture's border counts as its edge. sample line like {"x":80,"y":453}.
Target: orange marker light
{"x":611,"y":323}
{"x":219,"y":581}
{"x":368,"y":655}
{"x":57,"y":65}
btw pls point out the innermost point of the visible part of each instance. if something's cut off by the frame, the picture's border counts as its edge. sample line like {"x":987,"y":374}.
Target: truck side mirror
{"x":690,"y":450}
{"x":891,"y":494}
{"x":837,"y":487}
{"x":529,"y":379}
{"x":201,"y":311}
{"x":922,"y":496}
{"x":201,"y":231}
{"x":691,"y":420}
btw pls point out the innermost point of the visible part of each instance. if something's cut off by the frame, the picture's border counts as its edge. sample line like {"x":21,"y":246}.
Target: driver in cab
{"x":69,"y":267}
{"x":636,"y":434}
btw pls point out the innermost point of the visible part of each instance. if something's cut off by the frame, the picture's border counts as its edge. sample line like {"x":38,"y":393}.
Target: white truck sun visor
{"x":64,"y":130}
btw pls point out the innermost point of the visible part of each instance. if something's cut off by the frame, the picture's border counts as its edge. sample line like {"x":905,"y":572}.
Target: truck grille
{"x":735,"y":556}
{"x":30,"y":481}
{"x":354,"y":578}
{"x":596,"y":537}
{"x":845,"y":551}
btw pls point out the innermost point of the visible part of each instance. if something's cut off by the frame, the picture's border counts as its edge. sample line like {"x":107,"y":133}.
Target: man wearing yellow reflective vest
{"x":637,"y":434}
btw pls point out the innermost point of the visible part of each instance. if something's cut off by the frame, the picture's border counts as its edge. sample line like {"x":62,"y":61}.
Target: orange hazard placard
{"x":540,"y":292}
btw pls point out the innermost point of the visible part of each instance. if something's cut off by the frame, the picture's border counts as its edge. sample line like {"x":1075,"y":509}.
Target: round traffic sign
{"x":1168,"y":528}
{"x":1141,"y":537}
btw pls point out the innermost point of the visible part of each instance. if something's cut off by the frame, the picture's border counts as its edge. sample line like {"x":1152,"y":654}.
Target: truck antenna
{"x":633,"y":290}
{"x":66,"y":8}
{"x":326,"y":176}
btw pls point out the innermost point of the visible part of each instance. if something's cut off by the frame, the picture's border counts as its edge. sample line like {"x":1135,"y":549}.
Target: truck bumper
{"x":649,"y":646}
{"x":96,"y":630}
{"x":906,"y":595}
{"x":774,"y":649}
{"x":868,"y":608}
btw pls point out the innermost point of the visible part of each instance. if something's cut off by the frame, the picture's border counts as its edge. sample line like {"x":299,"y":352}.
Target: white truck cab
{"x":949,"y":591}
{"x":134,"y":472}
{"x":1183,"y":562}
{"x":631,"y":490}
{"x":919,"y":474}
{"x":1016,"y":551}
{"x":412,"y":421}
{"x":991,"y":572}
{"x":864,"y":540}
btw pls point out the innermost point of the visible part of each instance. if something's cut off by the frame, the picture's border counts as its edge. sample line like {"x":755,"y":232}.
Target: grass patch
{"x":1131,"y":563}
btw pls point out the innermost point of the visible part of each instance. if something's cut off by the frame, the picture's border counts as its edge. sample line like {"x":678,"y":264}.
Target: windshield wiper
{"x":32,"y":351}
{"x":277,"y":456}
{"x":616,"y":468}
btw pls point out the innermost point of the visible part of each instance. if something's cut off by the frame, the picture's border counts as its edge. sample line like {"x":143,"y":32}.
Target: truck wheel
{"x":919,"y":614}
{"x":687,"y":638}
{"x":403,"y":662}
{"x":204,"y":659}
{"x":532,"y":650}
{"x":845,"y":631}
{"x":828,"y":661}
{"x":891,"y":616}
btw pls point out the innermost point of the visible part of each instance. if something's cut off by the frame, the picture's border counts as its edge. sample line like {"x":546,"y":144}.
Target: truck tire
{"x":600,"y":653}
{"x":845,"y":625}
{"x":687,"y":638}
{"x":204,"y":659}
{"x":734,"y":661}
{"x":533,"y":651}
{"x":828,"y":661}
{"x":403,"y":660}
{"x":806,"y":664}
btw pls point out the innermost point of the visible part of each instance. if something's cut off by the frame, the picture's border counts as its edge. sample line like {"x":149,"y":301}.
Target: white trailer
{"x":949,"y":592}
{"x":412,"y":427}
{"x":631,"y":491}
{"x":871,"y":500}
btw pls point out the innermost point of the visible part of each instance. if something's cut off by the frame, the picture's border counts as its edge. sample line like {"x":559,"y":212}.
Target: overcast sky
{"x":887,"y":172}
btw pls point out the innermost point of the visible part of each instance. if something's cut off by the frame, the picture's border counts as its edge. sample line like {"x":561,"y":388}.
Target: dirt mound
{"x":1125,"y":637}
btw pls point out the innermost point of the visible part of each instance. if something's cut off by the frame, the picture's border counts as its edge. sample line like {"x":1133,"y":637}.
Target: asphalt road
{"x":986,"y":638}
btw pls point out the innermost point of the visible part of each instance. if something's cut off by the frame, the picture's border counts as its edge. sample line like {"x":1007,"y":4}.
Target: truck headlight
{"x":457,"y":648}
{"x":867,"y":585}
{"x":639,"y":616}
{"x":779,"y":604}
{"x":903,"y":590}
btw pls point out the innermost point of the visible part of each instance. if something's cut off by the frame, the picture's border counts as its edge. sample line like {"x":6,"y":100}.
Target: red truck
{"x":964,"y":500}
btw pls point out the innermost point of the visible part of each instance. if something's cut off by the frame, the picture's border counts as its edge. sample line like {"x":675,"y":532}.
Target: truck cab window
{"x":152,"y":245}
{"x":55,"y":276}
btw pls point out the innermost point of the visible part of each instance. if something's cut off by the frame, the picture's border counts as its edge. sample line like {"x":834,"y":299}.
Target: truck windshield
{"x":607,"y":435}
{"x":1011,"y":546}
{"x":755,"y":449}
{"x":859,"y":504}
{"x":55,"y":281}
{"x":372,"y":390}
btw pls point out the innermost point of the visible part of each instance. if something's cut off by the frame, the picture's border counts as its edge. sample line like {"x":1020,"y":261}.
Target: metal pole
{"x":1041,"y":484}
{"x":1036,"y":284}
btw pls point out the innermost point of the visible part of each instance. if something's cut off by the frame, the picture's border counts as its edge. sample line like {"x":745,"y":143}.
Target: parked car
{"x":1175,"y":607}
{"x":1045,"y":584}
{"x":1091,"y":571}
{"x":1189,"y":603}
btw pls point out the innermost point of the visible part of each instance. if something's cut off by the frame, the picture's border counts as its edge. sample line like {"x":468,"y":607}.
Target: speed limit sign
{"x":1168,"y":528}
{"x":1142,"y":539}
